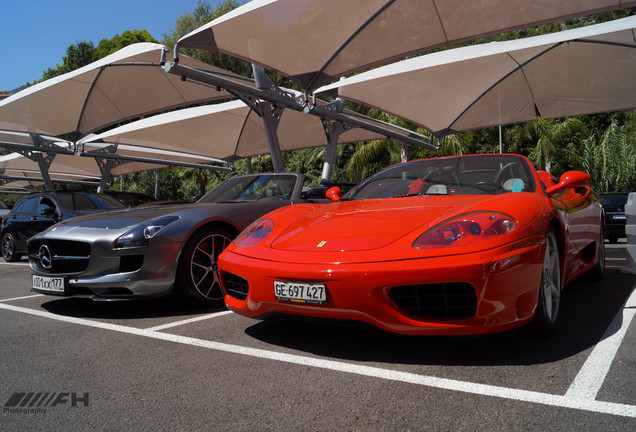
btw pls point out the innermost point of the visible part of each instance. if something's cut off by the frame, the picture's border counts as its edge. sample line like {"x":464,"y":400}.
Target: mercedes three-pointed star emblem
{"x":46,"y":257}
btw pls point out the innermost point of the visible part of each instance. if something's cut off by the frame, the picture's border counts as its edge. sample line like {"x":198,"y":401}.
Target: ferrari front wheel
{"x":198,"y":273}
{"x":550,"y":288}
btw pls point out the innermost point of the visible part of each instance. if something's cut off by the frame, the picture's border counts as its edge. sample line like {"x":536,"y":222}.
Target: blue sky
{"x":34,"y":34}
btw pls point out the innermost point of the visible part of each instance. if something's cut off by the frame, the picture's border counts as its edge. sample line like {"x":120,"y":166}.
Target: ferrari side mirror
{"x":570,"y":179}
{"x":333,"y":193}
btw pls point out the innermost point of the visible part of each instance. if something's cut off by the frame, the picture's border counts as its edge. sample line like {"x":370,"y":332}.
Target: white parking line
{"x":22,"y":298}
{"x":188,"y":321}
{"x":592,"y":375}
{"x":388,"y":374}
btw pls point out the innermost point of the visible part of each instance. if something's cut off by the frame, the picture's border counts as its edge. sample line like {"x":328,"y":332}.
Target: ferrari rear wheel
{"x":198,"y":272}
{"x":8,"y":248}
{"x":550,"y":288}
{"x":597,"y":272}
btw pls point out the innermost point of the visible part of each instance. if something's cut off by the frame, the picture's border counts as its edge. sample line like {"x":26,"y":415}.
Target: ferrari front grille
{"x":444,"y":300}
{"x":235,"y":286}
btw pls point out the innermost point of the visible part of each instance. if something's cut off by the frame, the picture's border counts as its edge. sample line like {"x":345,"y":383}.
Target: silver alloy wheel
{"x":8,"y":247}
{"x":204,"y":271}
{"x":601,"y":252}
{"x":551,"y":279}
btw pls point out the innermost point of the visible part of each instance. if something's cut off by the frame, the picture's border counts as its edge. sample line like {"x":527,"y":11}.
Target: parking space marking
{"x":22,"y":298}
{"x":566,"y":401}
{"x":592,"y":375}
{"x":188,"y":321}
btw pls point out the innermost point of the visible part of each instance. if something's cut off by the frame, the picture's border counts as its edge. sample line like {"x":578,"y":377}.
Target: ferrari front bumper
{"x":505,"y":282}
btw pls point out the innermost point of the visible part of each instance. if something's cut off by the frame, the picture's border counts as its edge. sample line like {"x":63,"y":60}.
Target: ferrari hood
{"x":361,"y":225}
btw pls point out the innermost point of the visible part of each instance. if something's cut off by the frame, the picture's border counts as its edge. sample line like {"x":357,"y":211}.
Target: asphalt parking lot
{"x":70,"y":364}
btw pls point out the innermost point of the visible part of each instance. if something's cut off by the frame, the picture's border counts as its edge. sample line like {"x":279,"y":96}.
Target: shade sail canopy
{"x":314,"y":42}
{"x":68,"y":166}
{"x":11,"y":140}
{"x":18,"y":186}
{"x":225,"y":131}
{"x":19,"y":171}
{"x":127,"y":84}
{"x":582,"y":71}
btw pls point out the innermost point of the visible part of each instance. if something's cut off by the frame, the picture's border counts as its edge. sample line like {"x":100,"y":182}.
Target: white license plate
{"x":47,"y":283}
{"x":300,"y":292}
{"x":620,"y":217}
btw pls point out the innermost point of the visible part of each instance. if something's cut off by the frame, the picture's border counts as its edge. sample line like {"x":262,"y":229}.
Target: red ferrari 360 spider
{"x":452,"y":245}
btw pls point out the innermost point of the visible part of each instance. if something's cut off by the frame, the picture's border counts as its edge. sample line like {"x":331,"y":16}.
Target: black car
{"x":38,"y":211}
{"x":131,"y":199}
{"x":614,"y":206}
{"x":4,"y":210}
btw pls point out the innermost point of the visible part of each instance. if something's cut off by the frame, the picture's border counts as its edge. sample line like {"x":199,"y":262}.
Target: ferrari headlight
{"x":466,"y":229}
{"x":141,"y":234}
{"x":254,"y":233}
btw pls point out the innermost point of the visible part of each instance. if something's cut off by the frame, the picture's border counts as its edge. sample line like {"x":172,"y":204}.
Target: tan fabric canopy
{"x":581,"y":71}
{"x":223,"y":131}
{"x":314,"y":42}
{"x":127,"y":84}
{"x":70,"y":166}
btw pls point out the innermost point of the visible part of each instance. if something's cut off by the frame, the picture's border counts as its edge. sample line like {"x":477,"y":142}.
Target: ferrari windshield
{"x":457,"y":175}
{"x":252,"y":188}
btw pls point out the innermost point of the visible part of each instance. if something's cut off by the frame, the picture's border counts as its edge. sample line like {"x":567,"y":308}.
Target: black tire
{"x":598,"y":272}
{"x":8,"y":248}
{"x":613,"y":238}
{"x":550,"y":289}
{"x":197,"y":274}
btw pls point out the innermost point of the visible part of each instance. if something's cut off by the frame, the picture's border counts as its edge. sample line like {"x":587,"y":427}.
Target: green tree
{"x":551,"y":136}
{"x":610,"y":157}
{"x":109,"y":46}
{"x":77,"y":56}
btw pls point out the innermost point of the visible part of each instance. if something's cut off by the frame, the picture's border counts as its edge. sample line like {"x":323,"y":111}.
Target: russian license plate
{"x":620,"y":217}
{"x":300,"y":292}
{"x":47,"y":283}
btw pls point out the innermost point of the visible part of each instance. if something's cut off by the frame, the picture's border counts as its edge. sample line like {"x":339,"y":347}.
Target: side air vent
{"x":235,"y":286}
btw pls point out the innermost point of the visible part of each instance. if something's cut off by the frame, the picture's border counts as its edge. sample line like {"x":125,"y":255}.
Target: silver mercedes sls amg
{"x":155,"y":251}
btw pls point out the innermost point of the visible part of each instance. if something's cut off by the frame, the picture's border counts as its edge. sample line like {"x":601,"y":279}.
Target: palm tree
{"x":550,"y":135}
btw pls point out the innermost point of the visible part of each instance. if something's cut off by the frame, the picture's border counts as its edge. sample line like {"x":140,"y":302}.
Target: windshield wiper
{"x":412,"y":195}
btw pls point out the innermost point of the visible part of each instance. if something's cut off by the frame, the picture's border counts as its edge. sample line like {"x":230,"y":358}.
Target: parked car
{"x":155,"y":251}
{"x":38,"y":211}
{"x":4,"y":210}
{"x":615,"y":218}
{"x":131,"y":199}
{"x":454,"y":245}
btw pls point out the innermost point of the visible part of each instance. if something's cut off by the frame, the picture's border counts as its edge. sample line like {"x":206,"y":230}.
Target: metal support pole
{"x":270,"y":113}
{"x":157,"y":184}
{"x":333,"y":130}
{"x":44,"y":163}
{"x":271,"y":118}
{"x":281,"y":98}
{"x":105,"y":166}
